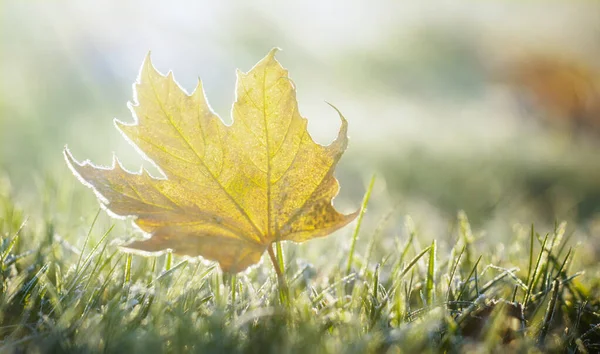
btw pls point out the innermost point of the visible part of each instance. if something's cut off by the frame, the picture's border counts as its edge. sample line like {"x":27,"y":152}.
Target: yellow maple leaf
{"x":227,"y":192}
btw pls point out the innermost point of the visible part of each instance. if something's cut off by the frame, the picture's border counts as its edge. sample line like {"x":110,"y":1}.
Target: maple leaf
{"x":228,"y":191}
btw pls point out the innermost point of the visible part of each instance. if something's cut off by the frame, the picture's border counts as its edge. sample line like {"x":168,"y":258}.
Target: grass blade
{"x":549,"y":312}
{"x":363,"y":209}
{"x":429,"y":290}
{"x":464,"y":286}
{"x":533,"y":277}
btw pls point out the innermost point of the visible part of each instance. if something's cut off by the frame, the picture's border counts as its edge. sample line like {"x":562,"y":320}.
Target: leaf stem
{"x":283,"y":290}
{"x":280,"y":256}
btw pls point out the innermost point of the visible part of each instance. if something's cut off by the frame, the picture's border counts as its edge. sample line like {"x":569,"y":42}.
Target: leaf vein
{"x":237,"y":205}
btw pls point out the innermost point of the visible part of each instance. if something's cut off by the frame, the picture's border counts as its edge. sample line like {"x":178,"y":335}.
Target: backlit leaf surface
{"x":227,"y":192}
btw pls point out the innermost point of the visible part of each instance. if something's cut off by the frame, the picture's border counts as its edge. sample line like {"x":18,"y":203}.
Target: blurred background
{"x":490,"y":108}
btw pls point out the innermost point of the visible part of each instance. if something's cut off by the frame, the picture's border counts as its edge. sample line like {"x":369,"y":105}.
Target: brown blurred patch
{"x":562,"y":92}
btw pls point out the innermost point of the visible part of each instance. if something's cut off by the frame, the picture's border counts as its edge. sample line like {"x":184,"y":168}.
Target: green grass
{"x":537,"y":290}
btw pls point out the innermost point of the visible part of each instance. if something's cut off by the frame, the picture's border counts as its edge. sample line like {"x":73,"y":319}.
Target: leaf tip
{"x":72,"y":163}
{"x":68,"y":156}
{"x":118,"y":123}
{"x":354,"y":214}
{"x":343,"y":133}
{"x":148,"y":57}
{"x":146,"y":69}
{"x":79,"y":171}
{"x":273,"y":51}
{"x":199,"y":89}
{"x":344,"y":121}
{"x":116,"y":164}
